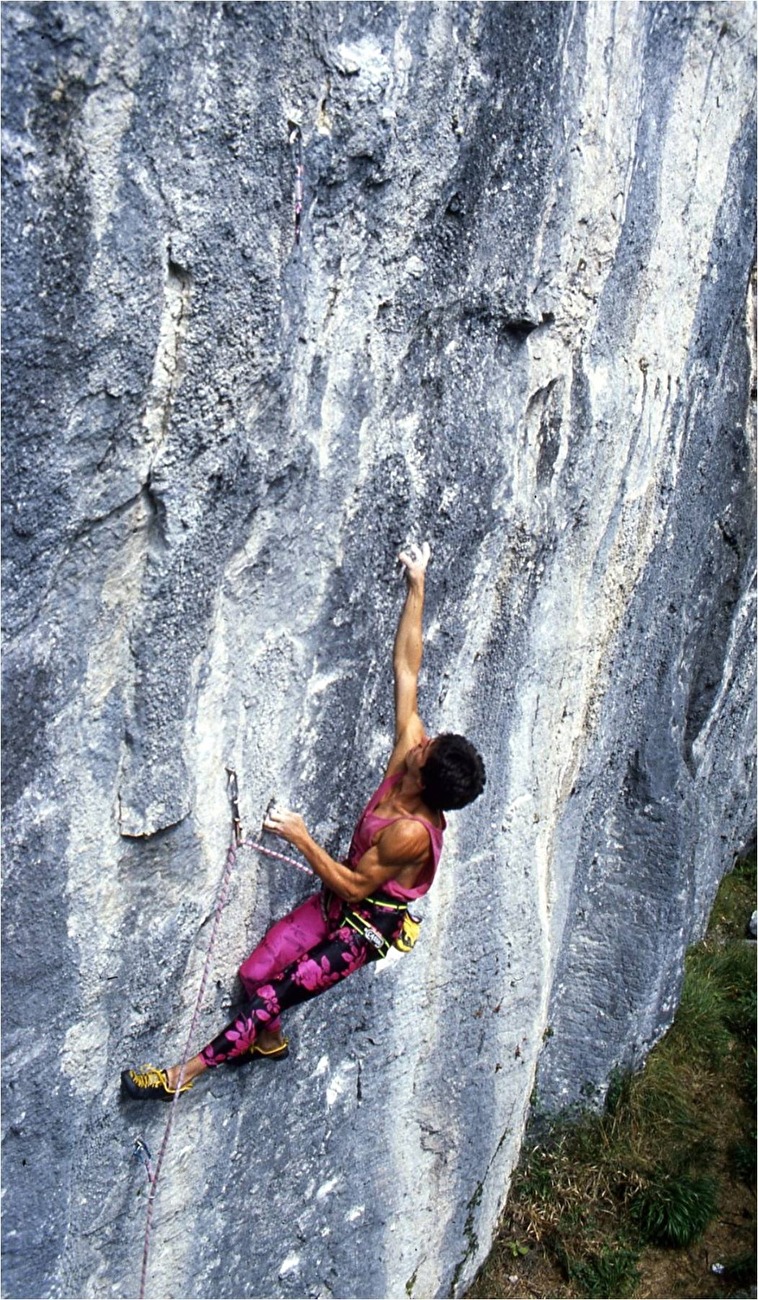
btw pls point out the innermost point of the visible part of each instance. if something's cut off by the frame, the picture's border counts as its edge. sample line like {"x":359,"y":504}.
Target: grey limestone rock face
{"x":519,"y":322}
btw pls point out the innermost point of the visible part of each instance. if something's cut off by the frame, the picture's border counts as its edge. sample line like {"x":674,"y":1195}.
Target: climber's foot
{"x":151,"y":1084}
{"x":273,"y":1046}
{"x":192,"y":1068}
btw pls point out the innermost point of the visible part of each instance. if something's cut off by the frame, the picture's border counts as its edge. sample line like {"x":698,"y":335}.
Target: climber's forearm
{"x":335,"y":875}
{"x":409,"y":643}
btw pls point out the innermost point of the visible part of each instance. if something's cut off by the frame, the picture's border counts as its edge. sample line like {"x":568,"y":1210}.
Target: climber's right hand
{"x":415,"y":559}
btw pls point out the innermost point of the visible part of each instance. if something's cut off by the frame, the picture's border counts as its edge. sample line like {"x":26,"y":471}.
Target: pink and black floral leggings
{"x":303,"y":954}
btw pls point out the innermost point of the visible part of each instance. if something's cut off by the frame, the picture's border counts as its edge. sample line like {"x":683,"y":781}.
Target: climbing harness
{"x":296,"y":144}
{"x":385,"y":915}
{"x":365,"y":929}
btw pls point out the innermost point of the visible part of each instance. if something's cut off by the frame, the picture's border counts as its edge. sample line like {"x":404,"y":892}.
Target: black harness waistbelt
{"x":380,"y":919}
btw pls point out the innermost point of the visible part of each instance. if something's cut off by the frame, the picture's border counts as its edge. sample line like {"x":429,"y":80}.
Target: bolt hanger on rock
{"x":296,"y":144}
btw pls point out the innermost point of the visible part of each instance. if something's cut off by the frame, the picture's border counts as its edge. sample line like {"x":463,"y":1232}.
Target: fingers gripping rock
{"x":415,"y":558}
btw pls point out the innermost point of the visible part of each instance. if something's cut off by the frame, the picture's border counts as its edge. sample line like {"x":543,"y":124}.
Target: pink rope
{"x":231,"y":858}
{"x":282,"y":857}
{"x":223,"y":892}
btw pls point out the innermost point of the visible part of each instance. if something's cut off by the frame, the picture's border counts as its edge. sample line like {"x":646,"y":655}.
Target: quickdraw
{"x":296,"y":143}
{"x":233,"y":789}
{"x":141,"y":1153}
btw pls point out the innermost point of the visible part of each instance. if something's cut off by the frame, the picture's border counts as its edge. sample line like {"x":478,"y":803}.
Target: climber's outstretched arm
{"x":406,"y":661}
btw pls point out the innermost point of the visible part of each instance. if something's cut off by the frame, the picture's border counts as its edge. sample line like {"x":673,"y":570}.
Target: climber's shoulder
{"x":412,"y":734}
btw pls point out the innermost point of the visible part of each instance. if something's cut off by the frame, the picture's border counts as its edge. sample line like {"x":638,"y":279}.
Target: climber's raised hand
{"x":415,"y":559}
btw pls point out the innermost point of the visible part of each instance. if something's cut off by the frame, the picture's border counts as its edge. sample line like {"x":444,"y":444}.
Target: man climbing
{"x":362,"y":906}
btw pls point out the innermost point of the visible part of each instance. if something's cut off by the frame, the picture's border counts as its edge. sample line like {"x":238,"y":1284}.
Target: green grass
{"x":742,"y":1159}
{"x":595,"y":1189}
{"x":611,"y":1272}
{"x":733,"y":970}
{"x":674,"y":1209}
{"x":700,"y":1032}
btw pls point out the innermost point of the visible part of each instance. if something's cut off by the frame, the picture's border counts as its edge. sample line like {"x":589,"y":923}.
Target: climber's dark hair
{"x":453,"y":774}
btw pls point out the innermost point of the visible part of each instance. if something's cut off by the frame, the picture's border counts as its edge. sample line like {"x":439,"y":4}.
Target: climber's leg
{"x":341,"y":954}
{"x":287,"y":940}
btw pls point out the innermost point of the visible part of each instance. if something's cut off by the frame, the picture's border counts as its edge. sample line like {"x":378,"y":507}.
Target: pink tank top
{"x":369,"y":824}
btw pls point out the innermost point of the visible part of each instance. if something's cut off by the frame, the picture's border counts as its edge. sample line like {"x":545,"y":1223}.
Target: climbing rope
{"x":140,"y":1146}
{"x":282,"y":857}
{"x":223,"y":891}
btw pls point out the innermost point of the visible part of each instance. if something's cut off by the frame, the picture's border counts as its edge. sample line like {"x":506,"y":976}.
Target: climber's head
{"x":452,"y":773}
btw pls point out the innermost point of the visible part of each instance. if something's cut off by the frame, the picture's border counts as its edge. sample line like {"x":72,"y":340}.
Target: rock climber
{"x":362,"y":906}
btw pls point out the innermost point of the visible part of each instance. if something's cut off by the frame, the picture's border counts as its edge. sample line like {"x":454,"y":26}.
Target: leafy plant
{"x":674,"y":1209}
{"x":610,"y":1272}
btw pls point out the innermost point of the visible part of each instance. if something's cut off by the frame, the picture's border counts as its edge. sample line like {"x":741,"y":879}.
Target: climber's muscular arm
{"x":400,"y":853}
{"x":406,"y":660}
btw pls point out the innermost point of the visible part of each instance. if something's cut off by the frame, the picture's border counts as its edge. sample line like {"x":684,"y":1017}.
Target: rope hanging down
{"x":221,"y":899}
{"x":223,"y":891}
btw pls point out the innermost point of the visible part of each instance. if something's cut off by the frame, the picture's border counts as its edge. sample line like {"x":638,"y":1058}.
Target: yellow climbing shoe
{"x":276,"y":1053}
{"x":149,"y":1084}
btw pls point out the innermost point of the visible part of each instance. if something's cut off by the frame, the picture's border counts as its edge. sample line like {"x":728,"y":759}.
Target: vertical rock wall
{"x":519,"y":322}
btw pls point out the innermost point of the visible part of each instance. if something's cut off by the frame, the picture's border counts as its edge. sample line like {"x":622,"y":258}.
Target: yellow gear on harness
{"x":404,"y":940}
{"x":407,"y":937}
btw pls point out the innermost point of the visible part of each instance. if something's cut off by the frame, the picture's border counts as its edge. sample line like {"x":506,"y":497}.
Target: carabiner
{"x":233,"y":790}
